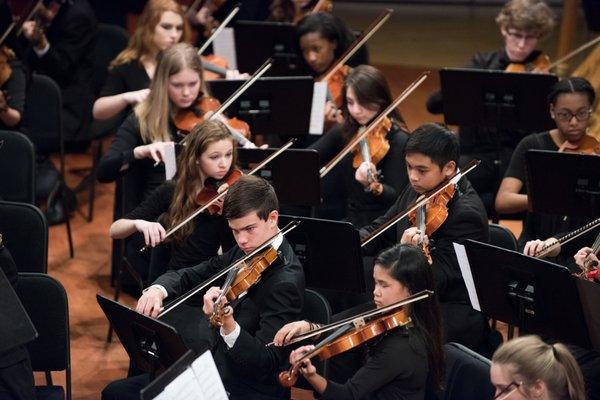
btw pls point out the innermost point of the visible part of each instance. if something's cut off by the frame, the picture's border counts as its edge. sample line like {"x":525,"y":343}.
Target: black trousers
{"x":16,"y":381}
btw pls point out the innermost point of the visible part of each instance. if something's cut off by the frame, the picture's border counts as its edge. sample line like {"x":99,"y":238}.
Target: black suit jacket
{"x":69,"y":61}
{"x":249,"y":367}
{"x":467,"y":219}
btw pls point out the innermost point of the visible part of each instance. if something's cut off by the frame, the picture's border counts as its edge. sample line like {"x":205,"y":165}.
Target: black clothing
{"x":249,"y":369}
{"x":484,"y":143}
{"x":362,"y":207}
{"x":210,"y":231}
{"x":14,"y":90}
{"x":69,"y":61}
{"x":396,"y":367}
{"x":120,"y":154}
{"x":16,"y":376}
{"x":542,"y":226}
{"x":466,"y":220}
{"x":128,"y":77}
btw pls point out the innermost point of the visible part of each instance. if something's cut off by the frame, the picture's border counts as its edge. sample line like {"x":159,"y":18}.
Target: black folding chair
{"x":45,"y":300}
{"x":17,"y":161}
{"x":25,"y":233}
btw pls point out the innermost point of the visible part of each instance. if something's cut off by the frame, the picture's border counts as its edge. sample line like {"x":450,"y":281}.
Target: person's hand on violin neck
{"x":290,"y":331}
{"x":307,"y":369}
{"x":587,"y":253}
{"x":412,"y":236}
{"x":208,"y":308}
{"x":151,"y":301}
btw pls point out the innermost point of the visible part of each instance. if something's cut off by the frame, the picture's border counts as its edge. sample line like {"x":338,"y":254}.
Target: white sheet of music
{"x":208,"y":378}
{"x":224,"y":46}
{"x":170,"y":161}
{"x":465,"y":269}
{"x":200,"y":381}
{"x":317,"y":109}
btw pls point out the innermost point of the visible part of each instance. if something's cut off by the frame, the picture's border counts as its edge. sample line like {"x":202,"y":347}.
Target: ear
{"x":538,"y":389}
{"x":273,"y":218}
{"x":503,"y":31}
{"x":552,"y":111}
{"x":449,"y":169}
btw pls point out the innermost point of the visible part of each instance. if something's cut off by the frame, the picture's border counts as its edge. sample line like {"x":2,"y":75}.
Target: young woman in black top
{"x":401,"y":363}
{"x":160,"y":25}
{"x":365,"y":94}
{"x":570,"y":102}
{"x":146,"y":134}
{"x":208,"y":157}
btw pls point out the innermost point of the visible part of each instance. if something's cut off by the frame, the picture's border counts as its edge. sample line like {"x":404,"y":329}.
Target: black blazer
{"x":250,"y":367}
{"x":69,"y":61}
{"x":467,"y":219}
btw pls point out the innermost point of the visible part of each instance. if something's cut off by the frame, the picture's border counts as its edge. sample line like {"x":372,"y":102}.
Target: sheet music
{"x":208,"y":378}
{"x":200,"y":381}
{"x":224,"y":46}
{"x":317,"y":109}
{"x":170,"y":161}
{"x":465,"y":269}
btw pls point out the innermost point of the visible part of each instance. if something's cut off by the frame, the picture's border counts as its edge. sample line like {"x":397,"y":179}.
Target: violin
{"x":420,"y":202}
{"x":588,"y":145}
{"x":211,"y":191}
{"x":335,"y":85}
{"x":373,"y":148}
{"x":431,"y":215}
{"x":354,"y":332}
{"x":540,"y":64}
{"x":373,"y":125}
{"x":589,"y":270}
{"x":320,"y":6}
{"x":6,"y":55}
{"x":186,"y":119}
{"x":242,"y":279}
{"x":221,"y":194}
{"x":231,"y":271}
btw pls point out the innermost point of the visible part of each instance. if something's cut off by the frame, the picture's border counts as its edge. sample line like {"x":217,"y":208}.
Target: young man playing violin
{"x":247,"y":367}
{"x":431,"y":155}
{"x":523,"y":24}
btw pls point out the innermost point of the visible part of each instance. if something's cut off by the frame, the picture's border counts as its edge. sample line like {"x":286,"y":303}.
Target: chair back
{"x":25,"y":233}
{"x":111,"y":40}
{"x":17,"y":161}
{"x":316,"y":307}
{"x":43,"y":114}
{"x":502,"y":237}
{"x":45,"y":300}
{"x":467,"y":374}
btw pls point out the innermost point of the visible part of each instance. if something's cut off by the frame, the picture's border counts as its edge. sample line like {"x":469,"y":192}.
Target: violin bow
{"x":222,"y":26}
{"x":392,"y":221}
{"x":287,"y":229}
{"x":567,"y":238}
{"x":424,"y":294}
{"x":374,"y":123}
{"x":571,"y":54}
{"x":362,"y":39}
{"x":18,"y":21}
{"x":224,"y":192}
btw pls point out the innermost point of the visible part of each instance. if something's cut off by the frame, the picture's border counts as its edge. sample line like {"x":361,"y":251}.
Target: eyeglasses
{"x":507,"y":391}
{"x":566,"y":116}
{"x":518,"y":36}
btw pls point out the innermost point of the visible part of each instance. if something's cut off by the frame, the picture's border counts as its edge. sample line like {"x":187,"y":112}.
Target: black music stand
{"x":151,"y":344}
{"x":330,"y":253}
{"x":563,"y":183}
{"x":538,"y":296}
{"x":294,"y":174}
{"x":496,"y":99}
{"x":257,"y":41}
{"x":16,"y":328}
{"x":278,"y":107}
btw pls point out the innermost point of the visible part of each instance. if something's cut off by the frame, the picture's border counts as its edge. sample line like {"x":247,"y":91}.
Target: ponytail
{"x":528,"y":359}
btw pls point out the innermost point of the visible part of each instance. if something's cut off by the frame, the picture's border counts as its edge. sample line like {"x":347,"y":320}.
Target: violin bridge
{"x":359,"y":323}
